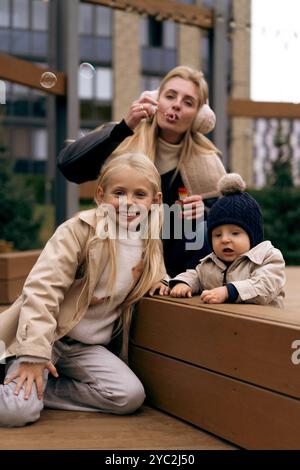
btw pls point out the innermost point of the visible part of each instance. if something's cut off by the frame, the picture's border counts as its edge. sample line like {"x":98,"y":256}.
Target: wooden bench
{"x":224,"y":368}
{"x":14,"y":268}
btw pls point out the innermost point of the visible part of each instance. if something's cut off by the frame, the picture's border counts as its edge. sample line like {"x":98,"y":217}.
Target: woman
{"x":169,"y":130}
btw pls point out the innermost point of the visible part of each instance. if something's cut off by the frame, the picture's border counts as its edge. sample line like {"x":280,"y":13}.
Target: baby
{"x":242,"y":267}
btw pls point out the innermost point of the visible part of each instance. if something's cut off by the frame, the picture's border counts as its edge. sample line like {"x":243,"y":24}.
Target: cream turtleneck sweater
{"x":167,"y":156}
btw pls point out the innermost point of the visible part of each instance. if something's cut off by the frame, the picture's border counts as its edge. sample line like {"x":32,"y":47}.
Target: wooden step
{"x":145,"y":429}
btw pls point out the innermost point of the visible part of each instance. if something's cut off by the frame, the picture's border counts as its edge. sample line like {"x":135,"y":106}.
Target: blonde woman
{"x":78,"y":295}
{"x":168,"y":126}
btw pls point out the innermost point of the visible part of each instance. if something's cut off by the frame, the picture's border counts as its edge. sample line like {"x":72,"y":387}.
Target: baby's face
{"x":229,"y":242}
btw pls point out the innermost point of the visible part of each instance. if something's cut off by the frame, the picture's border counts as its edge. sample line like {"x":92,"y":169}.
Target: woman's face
{"x":178,"y":106}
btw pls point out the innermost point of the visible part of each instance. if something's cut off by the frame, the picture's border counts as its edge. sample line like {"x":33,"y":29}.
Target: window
{"x":86,"y":19}
{"x":39,"y":15}
{"x":20,"y":18}
{"x":103,"y":21}
{"x":169,"y":34}
{"x":85,"y":86}
{"x":98,"y":85}
{"x":150,"y":82}
{"x":39,"y":144}
{"x":103,"y":83}
{"x":155,"y":32}
{"x":4,"y":13}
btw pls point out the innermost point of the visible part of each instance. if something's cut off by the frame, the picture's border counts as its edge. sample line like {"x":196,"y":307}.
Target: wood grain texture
{"x":223,"y":338}
{"x":145,"y":429}
{"x":249,"y":416}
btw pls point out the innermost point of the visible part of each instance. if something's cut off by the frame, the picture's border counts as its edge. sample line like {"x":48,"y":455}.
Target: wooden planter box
{"x":225,"y":368}
{"x":14,"y":268}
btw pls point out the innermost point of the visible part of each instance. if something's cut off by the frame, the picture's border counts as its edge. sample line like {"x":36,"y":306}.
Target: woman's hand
{"x":181,"y":290}
{"x":143,"y":108}
{"x":219,"y":295}
{"x":192,"y":207}
{"x":29,"y":373}
{"x":161,"y":287}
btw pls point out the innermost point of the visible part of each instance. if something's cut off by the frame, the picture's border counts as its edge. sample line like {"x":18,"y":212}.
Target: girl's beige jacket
{"x":57,"y":291}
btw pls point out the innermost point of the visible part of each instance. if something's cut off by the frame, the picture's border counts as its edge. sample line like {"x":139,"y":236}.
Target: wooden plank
{"x":17,"y":264}
{"x":28,"y":74}
{"x":145,"y":429}
{"x":260,"y":312}
{"x":168,"y":9}
{"x":249,"y":416}
{"x":10,"y":290}
{"x":251,"y":349}
{"x":259,"y":109}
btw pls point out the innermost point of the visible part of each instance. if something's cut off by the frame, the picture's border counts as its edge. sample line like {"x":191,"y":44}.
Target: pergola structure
{"x":64,"y":47}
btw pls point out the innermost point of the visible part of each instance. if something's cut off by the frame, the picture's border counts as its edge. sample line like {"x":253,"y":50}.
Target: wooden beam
{"x":164,"y":10}
{"x":28,"y":74}
{"x":260,"y":109}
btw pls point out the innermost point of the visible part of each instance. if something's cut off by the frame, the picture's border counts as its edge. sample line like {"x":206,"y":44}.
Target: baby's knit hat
{"x":236,"y":207}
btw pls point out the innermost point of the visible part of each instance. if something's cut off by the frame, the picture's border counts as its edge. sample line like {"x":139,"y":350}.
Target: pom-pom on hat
{"x":236,"y":207}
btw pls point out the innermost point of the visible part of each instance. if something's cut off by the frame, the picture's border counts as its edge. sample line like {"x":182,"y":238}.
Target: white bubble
{"x":86,"y":70}
{"x":48,"y":80}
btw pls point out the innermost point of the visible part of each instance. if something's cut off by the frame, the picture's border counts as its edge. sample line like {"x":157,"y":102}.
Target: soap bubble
{"x":86,"y":70}
{"x":48,"y":80}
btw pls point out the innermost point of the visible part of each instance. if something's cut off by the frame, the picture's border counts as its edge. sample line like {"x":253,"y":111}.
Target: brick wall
{"x":126,"y":62}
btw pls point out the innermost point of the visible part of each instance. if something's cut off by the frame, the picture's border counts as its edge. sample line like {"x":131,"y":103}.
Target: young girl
{"x":86,"y":279}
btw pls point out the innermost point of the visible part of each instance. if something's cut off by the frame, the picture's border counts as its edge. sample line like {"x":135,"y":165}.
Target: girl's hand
{"x":192,"y":207}
{"x":143,"y":108}
{"x":219,"y":295}
{"x":181,"y":290}
{"x":28,"y":373}
{"x":161,"y":287}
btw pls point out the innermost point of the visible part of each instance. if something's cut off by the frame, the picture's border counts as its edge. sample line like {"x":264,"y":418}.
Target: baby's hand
{"x":219,"y":295}
{"x":181,"y":290}
{"x":27,"y":373}
{"x":161,"y":288}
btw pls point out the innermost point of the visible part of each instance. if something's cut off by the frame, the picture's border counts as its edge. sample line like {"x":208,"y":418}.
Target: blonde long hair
{"x":145,"y":134}
{"x":153,"y":265}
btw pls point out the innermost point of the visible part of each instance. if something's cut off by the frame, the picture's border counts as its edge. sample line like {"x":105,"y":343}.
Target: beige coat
{"x":58,"y":290}
{"x":258,"y":275}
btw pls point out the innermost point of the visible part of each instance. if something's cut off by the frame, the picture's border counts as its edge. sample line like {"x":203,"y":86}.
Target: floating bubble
{"x":48,"y":80}
{"x":87,"y":70}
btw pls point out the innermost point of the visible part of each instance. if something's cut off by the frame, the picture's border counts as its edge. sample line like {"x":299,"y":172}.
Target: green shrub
{"x":17,"y":222}
{"x":281,"y":211}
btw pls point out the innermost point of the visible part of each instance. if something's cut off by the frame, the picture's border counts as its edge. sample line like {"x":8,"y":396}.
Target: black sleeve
{"x":232,"y":293}
{"x":81,"y":161}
